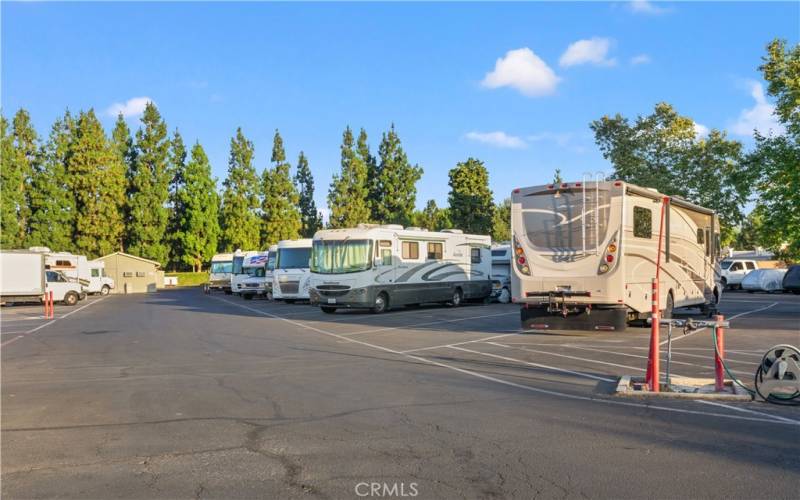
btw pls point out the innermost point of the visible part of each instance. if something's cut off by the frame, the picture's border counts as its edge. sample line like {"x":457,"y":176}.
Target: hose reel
{"x":778,"y":376}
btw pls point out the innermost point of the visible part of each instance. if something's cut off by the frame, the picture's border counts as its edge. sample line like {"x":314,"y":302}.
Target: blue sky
{"x":512,"y":84}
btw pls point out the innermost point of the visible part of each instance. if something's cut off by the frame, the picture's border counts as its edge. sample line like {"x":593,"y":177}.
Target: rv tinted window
{"x":750,"y":265}
{"x":63,"y":263}
{"x":410,"y":250}
{"x":475,"y":255}
{"x":642,"y":222}
{"x":700,"y":236}
{"x":95,"y":273}
{"x":386,"y":256}
{"x":435,"y":251}
{"x":565,"y":221}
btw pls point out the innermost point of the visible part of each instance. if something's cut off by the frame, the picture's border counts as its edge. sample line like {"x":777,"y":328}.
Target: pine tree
{"x":123,"y":145}
{"x":52,"y":222}
{"x":198,"y":230}
{"x":150,"y":189}
{"x":431,"y":217}
{"x":501,"y":221}
{"x":239,"y":218}
{"x":557,"y":179}
{"x":281,"y":218}
{"x":97,"y":179}
{"x":310,"y":220}
{"x":347,"y":197}
{"x":177,"y":167}
{"x":471,"y":205}
{"x":395,"y":189}
{"x":364,"y":154}
{"x":17,"y":170}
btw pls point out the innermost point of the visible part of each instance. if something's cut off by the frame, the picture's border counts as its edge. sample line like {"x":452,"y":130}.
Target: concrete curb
{"x":625,"y":389}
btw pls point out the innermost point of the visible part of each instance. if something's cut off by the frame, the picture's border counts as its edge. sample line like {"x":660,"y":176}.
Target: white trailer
{"x":378,"y":266}
{"x":23,"y":278}
{"x":238,"y":271}
{"x":219,"y":276}
{"x":290,"y":279}
{"x":585,"y":254}
{"x":253,"y":272}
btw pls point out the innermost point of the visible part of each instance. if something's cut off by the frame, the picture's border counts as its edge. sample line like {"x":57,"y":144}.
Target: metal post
{"x":653,"y":375}
{"x":719,"y":355}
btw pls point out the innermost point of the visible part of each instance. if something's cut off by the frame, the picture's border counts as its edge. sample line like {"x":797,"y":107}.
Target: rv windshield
{"x":221,"y":267}
{"x":565,"y":221}
{"x":271,"y":261}
{"x":237,"y":264}
{"x":343,"y":256}
{"x":293,"y":258}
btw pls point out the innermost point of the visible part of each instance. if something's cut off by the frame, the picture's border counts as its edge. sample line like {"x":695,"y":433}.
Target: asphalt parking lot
{"x":185,"y":395}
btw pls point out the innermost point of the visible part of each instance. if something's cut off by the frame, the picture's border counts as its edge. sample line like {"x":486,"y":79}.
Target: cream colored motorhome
{"x":585,"y":254}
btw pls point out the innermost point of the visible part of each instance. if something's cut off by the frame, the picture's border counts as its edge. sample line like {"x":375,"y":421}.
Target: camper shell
{"x":290,"y":278}
{"x":379,"y":266}
{"x":585,"y":254}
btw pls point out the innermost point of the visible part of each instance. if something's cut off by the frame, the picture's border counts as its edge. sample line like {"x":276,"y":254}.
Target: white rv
{"x":260,"y":283}
{"x":24,"y":278}
{"x":378,"y":266}
{"x":219,"y":276}
{"x":253,"y":271}
{"x":290,"y":279}
{"x":585,"y":254}
{"x":238,"y":271}
{"x":501,"y":273}
{"x":74,"y":267}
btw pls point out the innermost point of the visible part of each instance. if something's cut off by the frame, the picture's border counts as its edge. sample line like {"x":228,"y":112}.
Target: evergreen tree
{"x":395,"y":190}
{"x":52,"y":222}
{"x":557,"y":179}
{"x":471,"y":204}
{"x":17,"y":170}
{"x":363,"y":153}
{"x":123,"y":145}
{"x":150,"y":189}
{"x":310,"y":220}
{"x":279,"y":207}
{"x":347,"y":197}
{"x":197,"y":232}
{"x":431,"y":217}
{"x":239,"y":218}
{"x":97,"y":179}
{"x":501,"y":221}
{"x":177,"y":166}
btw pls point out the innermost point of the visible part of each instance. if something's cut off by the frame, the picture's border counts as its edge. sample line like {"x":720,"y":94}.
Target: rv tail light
{"x":612,"y":248}
{"x":609,"y":258}
{"x":516,"y":191}
{"x":577,"y":184}
{"x":617,"y":184}
{"x":603,"y":268}
{"x":565,"y":185}
{"x":526,"y":270}
{"x":521,"y":260}
{"x":549,"y":186}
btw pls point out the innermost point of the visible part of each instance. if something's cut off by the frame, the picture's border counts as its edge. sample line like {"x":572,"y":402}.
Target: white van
{"x":290,"y":279}
{"x":98,"y":281}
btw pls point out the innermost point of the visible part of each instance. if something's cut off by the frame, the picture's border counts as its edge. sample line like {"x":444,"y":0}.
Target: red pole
{"x":52,"y":308}
{"x":653,"y":369}
{"x":719,"y":355}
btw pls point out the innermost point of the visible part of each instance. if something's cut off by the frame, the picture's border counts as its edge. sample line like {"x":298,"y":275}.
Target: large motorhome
{"x":290,"y":279}
{"x":585,"y":254}
{"x":219,"y":277}
{"x":378,"y":266}
{"x":253,"y":271}
{"x":238,"y":271}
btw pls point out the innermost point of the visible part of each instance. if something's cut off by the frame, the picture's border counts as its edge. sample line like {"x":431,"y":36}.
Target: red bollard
{"x":52,"y":308}
{"x":719,"y":355}
{"x":653,"y":376}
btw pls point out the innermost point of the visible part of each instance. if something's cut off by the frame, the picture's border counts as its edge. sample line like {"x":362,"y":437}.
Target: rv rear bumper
{"x":588,"y":317}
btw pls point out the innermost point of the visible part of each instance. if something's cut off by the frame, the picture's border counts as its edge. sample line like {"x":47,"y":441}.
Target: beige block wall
{"x":131,"y":275}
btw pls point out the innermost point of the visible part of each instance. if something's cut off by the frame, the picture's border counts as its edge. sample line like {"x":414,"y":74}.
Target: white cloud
{"x":646,"y":7}
{"x":591,"y":51}
{"x":640,"y":59}
{"x":523,"y":70}
{"x":700,"y":130}
{"x":497,"y":139}
{"x":560,"y":138}
{"x":760,"y":117}
{"x":130,"y":108}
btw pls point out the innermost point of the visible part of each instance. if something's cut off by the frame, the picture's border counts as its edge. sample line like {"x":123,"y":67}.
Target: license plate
{"x":331,"y":301}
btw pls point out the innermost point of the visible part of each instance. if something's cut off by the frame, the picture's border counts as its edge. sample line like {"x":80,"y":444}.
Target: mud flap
{"x":538,"y":318}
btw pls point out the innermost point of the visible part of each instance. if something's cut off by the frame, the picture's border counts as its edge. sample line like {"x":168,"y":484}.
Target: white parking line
{"x":745,"y":410}
{"x":442,"y":346}
{"x":34,"y":330}
{"x":674,"y":362}
{"x":729,"y":319}
{"x":429,"y":323}
{"x":507,"y":383}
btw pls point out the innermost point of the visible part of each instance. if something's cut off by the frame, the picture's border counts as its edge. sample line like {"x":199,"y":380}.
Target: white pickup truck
{"x":734,"y":270}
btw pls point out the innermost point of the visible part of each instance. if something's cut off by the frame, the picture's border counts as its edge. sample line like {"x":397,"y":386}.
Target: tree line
{"x":80,"y":190}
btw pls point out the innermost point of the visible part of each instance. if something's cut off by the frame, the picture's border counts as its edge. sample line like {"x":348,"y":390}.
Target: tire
{"x":247,"y":296}
{"x":328,"y":309}
{"x":458,"y":298}
{"x":724,"y":282}
{"x":381,"y":303}
{"x":70,"y":299}
{"x":105,"y":290}
{"x":669,"y":308}
{"x":228,"y":292}
{"x":505,"y":296}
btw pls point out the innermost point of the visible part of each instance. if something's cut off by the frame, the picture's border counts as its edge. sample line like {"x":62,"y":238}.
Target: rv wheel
{"x":381,"y":302}
{"x":667,"y":312}
{"x":458,"y":295}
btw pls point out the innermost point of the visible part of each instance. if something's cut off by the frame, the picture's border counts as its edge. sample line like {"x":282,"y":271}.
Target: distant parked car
{"x":734,"y":270}
{"x":764,"y":280}
{"x":791,"y":280}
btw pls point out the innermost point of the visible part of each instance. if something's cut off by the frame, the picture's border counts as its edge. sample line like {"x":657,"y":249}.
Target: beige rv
{"x":585,"y":255}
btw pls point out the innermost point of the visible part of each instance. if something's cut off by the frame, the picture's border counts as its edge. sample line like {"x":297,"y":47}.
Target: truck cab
{"x":98,"y":281}
{"x":733,"y":271}
{"x":64,"y":290}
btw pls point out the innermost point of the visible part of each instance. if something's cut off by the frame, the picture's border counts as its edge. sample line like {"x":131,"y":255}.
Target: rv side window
{"x":642,"y":222}
{"x":435,"y":251}
{"x":386,"y":256}
{"x":737,"y":266}
{"x":410,"y":250}
{"x":95,"y":273}
{"x":62,"y":263}
{"x":750,"y":266}
{"x":475,"y":255}
{"x":700,"y":236}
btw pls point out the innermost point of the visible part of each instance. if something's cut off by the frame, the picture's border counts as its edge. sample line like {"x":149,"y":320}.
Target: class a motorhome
{"x":380,"y":266}
{"x":219,"y":276}
{"x":239,"y":271}
{"x":290,"y":278}
{"x":254,"y":271}
{"x":585,"y":254}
